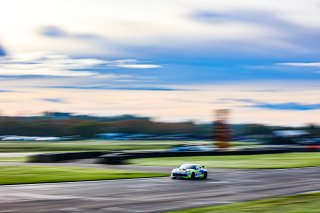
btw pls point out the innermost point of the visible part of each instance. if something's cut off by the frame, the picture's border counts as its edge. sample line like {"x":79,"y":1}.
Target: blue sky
{"x":170,"y":59}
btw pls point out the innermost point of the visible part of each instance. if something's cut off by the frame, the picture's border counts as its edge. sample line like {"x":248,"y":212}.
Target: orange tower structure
{"x":222,"y":130}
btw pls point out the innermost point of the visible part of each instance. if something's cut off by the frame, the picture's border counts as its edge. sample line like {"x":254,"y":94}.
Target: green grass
{"x":302,"y":203}
{"x":50,"y":174}
{"x":97,"y":145}
{"x":87,"y":145}
{"x":12,"y":159}
{"x":286,"y":160}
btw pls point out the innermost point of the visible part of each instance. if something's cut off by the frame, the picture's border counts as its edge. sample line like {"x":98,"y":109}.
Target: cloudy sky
{"x":174,"y":60}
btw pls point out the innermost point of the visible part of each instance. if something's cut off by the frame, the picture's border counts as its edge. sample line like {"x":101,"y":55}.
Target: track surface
{"x":158,"y":194}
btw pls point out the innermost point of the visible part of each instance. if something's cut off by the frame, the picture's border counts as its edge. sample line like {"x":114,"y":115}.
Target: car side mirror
{"x":202,"y":166}
{"x":177,"y":167}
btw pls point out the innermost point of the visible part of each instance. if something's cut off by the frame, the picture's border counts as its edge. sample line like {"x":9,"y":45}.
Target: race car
{"x":189,"y":171}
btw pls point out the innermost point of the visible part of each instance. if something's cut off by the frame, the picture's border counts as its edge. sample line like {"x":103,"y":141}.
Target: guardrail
{"x":56,"y":157}
{"x":120,"y":158}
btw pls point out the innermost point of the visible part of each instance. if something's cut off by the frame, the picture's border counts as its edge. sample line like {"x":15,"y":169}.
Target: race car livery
{"x":189,"y":171}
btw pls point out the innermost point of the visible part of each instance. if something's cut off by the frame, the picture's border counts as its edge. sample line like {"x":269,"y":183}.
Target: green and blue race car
{"x":189,"y":171}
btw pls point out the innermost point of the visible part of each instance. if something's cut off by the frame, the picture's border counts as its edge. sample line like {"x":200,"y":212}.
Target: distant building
{"x":112,"y":136}
{"x":58,"y":115}
{"x":292,"y":137}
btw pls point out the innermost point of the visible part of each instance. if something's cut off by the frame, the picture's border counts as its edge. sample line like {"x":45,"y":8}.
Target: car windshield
{"x":187,"y":166}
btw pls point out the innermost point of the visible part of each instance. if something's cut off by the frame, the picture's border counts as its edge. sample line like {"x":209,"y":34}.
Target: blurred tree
{"x":255,"y":129}
{"x":87,"y":129}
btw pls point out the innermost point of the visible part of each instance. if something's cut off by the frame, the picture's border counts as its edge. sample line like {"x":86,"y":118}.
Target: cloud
{"x":53,"y":31}
{"x":54,"y":100}
{"x":132,"y":64}
{"x":2,"y":51}
{"x":111,"y":87}
{"x":46,"y":64}
{"x":288,"y":106}
{"x":56,"y":32}
{"x":250,"y":16}
{"x":4,"y":90}
{"x":278,"y":106}
{"x":261,"y":90}
{"x":161,"y":26}
{"x":301,"y":64}
{"x":51,"y":64}
{"x":271,"y":20}
{"x":281,"y":32}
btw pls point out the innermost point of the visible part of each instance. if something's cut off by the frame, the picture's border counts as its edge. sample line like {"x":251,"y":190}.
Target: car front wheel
{"x":205,"y":175}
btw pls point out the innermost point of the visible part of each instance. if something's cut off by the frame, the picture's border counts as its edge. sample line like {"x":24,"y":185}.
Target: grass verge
{"x":97,"y":145}
{"x":50,"y":174}
{"x":13,"y":159}
{"x":267,"y":161}
{"x":87,"y":145}
{"x":302,"y":203}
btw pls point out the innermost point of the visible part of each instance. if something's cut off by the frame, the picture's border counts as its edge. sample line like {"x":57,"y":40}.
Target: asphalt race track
{"x":158,"y":194}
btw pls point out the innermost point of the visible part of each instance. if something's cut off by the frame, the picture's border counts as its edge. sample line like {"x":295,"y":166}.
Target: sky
{"x":173,"y":60}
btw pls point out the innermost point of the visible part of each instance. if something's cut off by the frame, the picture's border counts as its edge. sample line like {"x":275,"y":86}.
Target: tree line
{"x":66,"y":124}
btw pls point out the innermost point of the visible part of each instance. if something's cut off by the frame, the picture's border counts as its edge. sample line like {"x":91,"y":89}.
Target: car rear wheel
{"x":193,"y":176}
{"x":205,"y":175}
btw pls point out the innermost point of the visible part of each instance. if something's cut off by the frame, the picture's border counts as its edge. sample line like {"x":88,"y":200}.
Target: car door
{"x":198,"y":171}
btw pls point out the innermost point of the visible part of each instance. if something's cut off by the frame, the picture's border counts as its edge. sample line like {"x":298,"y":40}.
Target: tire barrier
{"x":56,"y":157}
{"x":122,"y":157}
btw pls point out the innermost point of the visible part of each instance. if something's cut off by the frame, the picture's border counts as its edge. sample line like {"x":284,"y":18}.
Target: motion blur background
{"x":129,"y":89}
